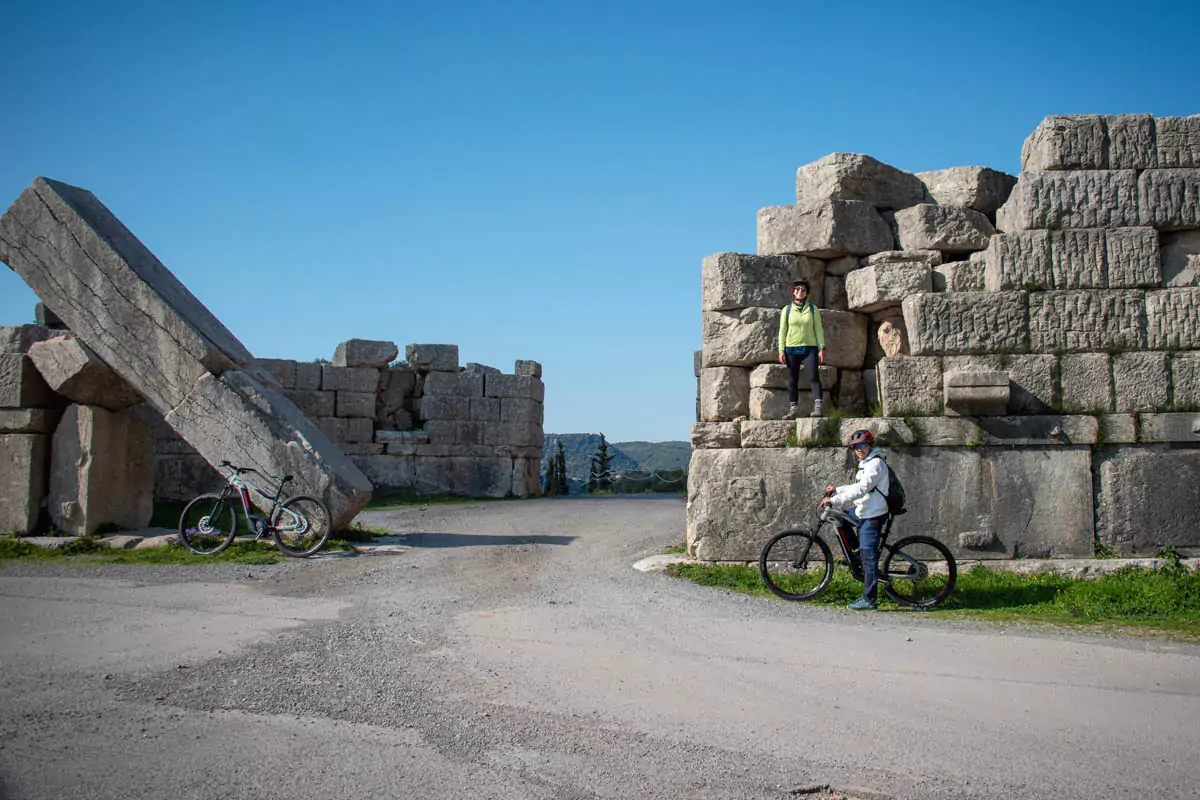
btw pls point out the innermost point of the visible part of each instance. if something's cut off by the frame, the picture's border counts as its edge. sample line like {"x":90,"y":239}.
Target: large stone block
{"x":708,"y":435}
{"x":1132,"y":258}
{"x":1142,"y":381}
{"x":22,"y":386}
{"x":724,"y":393}
{"x":522,"y":386}
{"x":485,"y":409}
{"x":389,"y":474}
{"x":349,"y":379}
{"x":101,"y":471}
{"x":461,"y":433}
{"x":851,"y":176}
{"x":967,"y":322}
{"x":520,"y":409}
{"x":1148,"y":499}
{"x":961,"y":276}
{"x":1169,"y":428}
{"x":1007,"y":431}
{"x":1181,"y":259}
{"x":1087,"y":384}
{"x":947,"y":229}
{"x":430,"y":357}
{"x":1185,"y":381}
{"x":179,"y":478}
{"x":824,"y":230}
{"x":26,"y":460}
{"x":513,"y":434}
{"x":464,"y":384}
{"x":445,"y":407}
{"x":1034,"y":384}
{"x":1178,"y":141}
{"x":771,"y":404}
{"x":284,"y":371}
{"x":19,"y":338}
{"x":365,"y":353}
{"x":1073,"y":259}
{"x":741,"y":338}
{"x":1131,"y":141}
{"x":156,"y":335}
{"x":978,"y":188}
{"x":1169,"y":199}
{"x":845,"y":338}
{"x":314,"y":403}
{"x":735,"y":280}
{"x":71,"y":369}
{"x":835,"y":294}
{"x":1078,"y":199}
{"x":976,"y":393}
{"x":767,"y":433}
{"x":878,"y":286}
{"x":472,"y":477}
{"x":1084,"y":320}
{"x":910,"y":386}
{"x":527,"y":367}
{"x":355,"y":404}
{"x":28,"y":420}
{"x":1173,"y":319}
{"x":1066,"y":143}
{"x":842,"y":265}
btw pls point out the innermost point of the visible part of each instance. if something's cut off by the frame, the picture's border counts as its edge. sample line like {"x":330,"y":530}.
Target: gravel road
{"x":510,"y":651}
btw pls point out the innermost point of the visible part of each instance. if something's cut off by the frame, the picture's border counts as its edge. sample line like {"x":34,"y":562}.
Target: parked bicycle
{"x":300,"y":525}
{"x":917,"y":571}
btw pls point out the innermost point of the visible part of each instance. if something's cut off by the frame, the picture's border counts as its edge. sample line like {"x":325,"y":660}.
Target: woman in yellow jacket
{"x":802,"y":344}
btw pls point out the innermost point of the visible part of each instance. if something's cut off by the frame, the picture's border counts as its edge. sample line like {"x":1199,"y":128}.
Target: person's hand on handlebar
{"x":829,"y":490}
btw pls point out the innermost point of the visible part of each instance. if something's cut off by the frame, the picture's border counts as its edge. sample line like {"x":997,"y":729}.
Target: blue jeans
{"x":869,"y":530}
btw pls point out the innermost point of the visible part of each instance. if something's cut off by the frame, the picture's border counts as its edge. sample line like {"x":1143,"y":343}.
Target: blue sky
{"x":526,"y":179}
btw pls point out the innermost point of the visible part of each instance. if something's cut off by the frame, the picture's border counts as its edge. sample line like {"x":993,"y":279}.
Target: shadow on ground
{"x":479,"y":539}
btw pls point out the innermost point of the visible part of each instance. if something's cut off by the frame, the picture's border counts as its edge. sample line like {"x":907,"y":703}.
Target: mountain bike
{"x":300,"y":525}
{"x":917,"y":571}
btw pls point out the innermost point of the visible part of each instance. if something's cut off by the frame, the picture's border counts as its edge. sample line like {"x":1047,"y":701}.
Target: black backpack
{"x":895,"y":495}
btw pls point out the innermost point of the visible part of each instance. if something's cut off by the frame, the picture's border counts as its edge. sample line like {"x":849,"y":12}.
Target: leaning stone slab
{"x":976,"y":393}
{"x":824,"y":230}
{"x":852,"y":176}
{"x":74,"y":371}
{"x":1142,"y":381}
{"x":28,"y":420}
{"x":910,"y":386}
{"x":1173,"y":319}
{"x":872,"y":288}
{"x":742,"y":338}
{"x":1087,"y":320}
{"x":1169,"y":199}
{"x":845,"y":338}
{"x":724,"y":393}
{"x":967,"y":322}
{"x":26,"y":460}
{"x":735,"y":280}
{"x":365,"y":353}
{"x":1147,"y":499}
{"x":1181,"y":259}
{"x":1066,"y":143}
{"x":767,"y":433}
{"x":19,"y":338}
{"x":427,"y":357}
{"x":947,"y":229}
{"x":978,"y":188}
{"x":1185,"y":381}
{"x":22,"y":386}
{"x":1178,"y":141}
{"x":715,"y":435}
{"x":1077,"y":199}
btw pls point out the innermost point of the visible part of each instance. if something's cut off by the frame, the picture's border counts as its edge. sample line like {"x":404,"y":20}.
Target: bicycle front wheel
{"x":919,"y":572}
{"x":301,"y":526}
{"x":207,"y":524}
{"x":796,"y":565}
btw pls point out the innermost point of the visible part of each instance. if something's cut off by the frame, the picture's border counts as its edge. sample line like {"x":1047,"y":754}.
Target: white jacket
{"x":872,"y":474}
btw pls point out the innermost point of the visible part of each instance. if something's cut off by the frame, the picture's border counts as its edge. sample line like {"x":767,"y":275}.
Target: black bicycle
{"x":300,"y":525}
{"x":917,"y":571}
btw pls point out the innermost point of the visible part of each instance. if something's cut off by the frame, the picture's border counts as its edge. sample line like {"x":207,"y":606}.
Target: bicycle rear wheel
{"x":920,"y":572}
{"x":796,"y":565}
{"x":207,"y":524}
{"x":301,"y":526}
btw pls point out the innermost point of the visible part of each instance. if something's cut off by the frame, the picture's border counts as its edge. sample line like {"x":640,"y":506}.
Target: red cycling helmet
{"x":861,"y":436}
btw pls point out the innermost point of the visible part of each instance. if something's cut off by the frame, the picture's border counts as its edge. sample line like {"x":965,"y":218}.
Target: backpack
{"x":895,"y":496}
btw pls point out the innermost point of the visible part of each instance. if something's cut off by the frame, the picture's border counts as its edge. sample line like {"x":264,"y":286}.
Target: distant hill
{"x":657,"y":455}
{"x":579,"y":448}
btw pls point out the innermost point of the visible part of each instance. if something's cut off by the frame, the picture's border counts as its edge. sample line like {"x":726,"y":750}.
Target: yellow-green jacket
{"x":800,"y":326}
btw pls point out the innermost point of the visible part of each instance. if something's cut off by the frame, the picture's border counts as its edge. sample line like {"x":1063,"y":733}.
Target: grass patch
{"x":678,"y":550}
{"x":90,"y":551}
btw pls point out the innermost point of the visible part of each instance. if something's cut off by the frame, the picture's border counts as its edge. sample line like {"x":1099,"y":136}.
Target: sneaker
{"x":861,"y":605}
{"x":818,"y":409}
{"x":793,"y":411}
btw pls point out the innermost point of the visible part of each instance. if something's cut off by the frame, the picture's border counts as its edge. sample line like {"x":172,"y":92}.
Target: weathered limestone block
{"x":455,"y":432}
{"x":767,"y":433}
{"x":519,"y":434}
{"x":947,"y":229}
{"x":522,"y":386}
{"x":978,"y":188}
{"x":850,"y":396}
{"x":976,"y":394}
{"x":1173,"y":319}
{"x":431,"y":357}
{"x":71,"y":369}
{"x":888,"y":432}
{"x":519,"y":409}
{"x":1181,"y":259}
{"x":1085,"y":320}
{"x":1078,"y":199}
{"x":1066,"y":143}
{"x":852,"y":176}
{"x":22,"y":386}
{"x":472,"y":477}
{"x":967,"y":322}
{"x":1087,"y":384}
{"x":842,"y":265}
{"x":1074,"y":259}
{"x":360,"y":430}
{"x":910,"y":386}
{"x":961,"y":276}
{"x":349,"y":379}
{"x":485,"y":409}
{"x":284,"y":371}
{"x":1147,"y":499}
{"x":1132,"y":258}
{"x":1034,"y":384}
{"x":1142,"y":381}
{"x":893,"y":258}
{"x":313,"y":403}
{"x":526,"y":367}
{"x":823,"y":230}
{"x":1169,"y":199}
{"x":527,"y":477}
{"x":878,"y":286}
{"x":742,"y":338}
{"x":472,"y":368}
{"x":734,"y":280}
{"x":179,"y":478}
{"x":724,"y":393}
{"x":769,"y":376}
{"x":1178,"y":141}
{"x":845,"y":339}
{"x":355,"y":404}
{"x":394,"y":398}
{"x":1167,"y":428}
{"x":19,"y":338}
{"x":308,"y":377}
{"x":1185,"y":381}
{"x":365,"y":353}
{"x":445,"y":406}
{"x":1131,"y":141}
{"x":389,"y":474}
{"x":332,"y":427}
{"x":835,"y":294}
{"x":28,"y":420}
{"x":101,"y":471}
{"x":772,"y":404}
{"x":464,"y":384}
{"x":707,"y":435}
{"x":893,"y":337}
{"x":1022,"y":431}
{"x":26,"y":460}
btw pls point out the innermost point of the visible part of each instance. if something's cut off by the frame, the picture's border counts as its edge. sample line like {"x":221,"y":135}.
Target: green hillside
{"x":657,"y":455}
{"x":580,"y":447}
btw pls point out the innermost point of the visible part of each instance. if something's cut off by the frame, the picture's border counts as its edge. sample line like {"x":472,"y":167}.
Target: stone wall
{"x":1031,"y":346}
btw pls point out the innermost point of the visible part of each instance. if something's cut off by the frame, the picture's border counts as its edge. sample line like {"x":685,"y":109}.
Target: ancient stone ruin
{"x":130,"y":389}
{"x":1029,"y":348}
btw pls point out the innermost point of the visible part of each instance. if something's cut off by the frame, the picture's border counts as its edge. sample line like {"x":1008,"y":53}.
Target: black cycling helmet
{"x":800,"y":284}
{"x":861,"y":436}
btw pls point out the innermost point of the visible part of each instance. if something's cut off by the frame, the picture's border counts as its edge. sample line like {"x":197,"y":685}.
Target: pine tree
{"x":560,"y":459}
{"x":600,"y":479}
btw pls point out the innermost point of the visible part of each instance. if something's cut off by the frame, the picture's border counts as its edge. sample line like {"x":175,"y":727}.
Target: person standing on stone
{"x":802,"y":345}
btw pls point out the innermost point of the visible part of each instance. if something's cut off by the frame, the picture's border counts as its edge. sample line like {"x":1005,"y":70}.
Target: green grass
{"x":89,"y":551}
{"x":1130,"y":600}
{"x":678,"y":550}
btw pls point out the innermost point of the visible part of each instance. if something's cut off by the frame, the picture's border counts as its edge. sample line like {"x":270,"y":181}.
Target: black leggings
{"x":809,"y":362}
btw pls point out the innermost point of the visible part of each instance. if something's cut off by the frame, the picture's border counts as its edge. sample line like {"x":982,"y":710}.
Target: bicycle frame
{"x":242,"y":487}
{"x":845,"y":525}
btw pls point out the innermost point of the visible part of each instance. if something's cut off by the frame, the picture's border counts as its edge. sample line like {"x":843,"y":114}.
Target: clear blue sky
{"x":526,"y":179}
